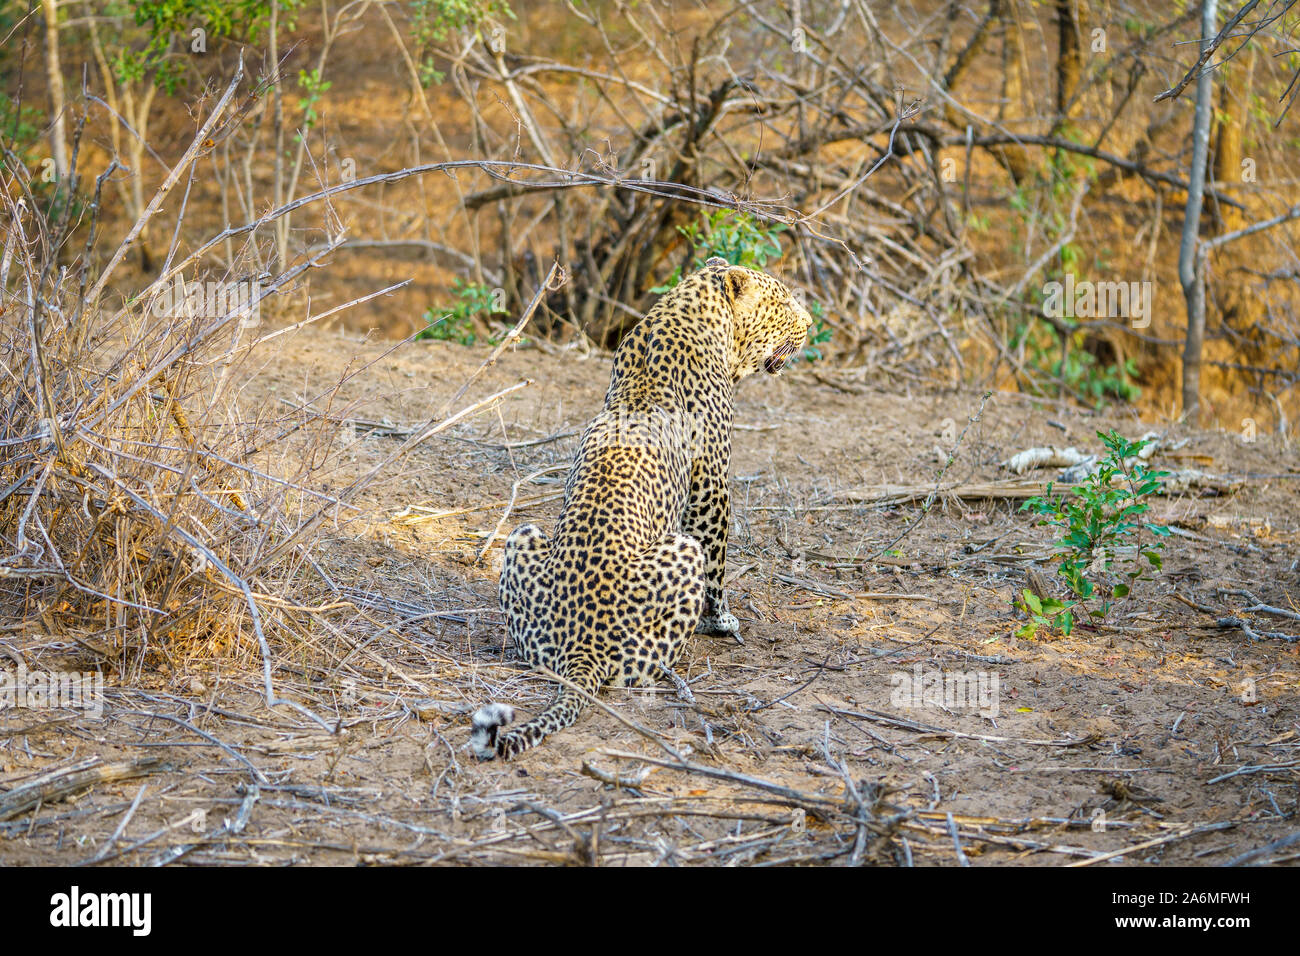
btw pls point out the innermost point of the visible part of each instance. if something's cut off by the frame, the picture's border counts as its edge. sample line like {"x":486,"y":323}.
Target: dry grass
{"x":140,"y":523}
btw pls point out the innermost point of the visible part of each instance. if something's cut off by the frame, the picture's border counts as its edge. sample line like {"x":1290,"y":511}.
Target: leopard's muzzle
{"x":776,"y":361}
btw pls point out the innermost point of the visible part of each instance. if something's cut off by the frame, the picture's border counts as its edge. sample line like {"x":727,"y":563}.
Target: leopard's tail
{"x":487,"y":739}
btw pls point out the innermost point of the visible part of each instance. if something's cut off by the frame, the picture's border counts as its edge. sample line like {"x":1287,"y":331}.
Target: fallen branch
{"x":68,"y":781}
{"x":1251,"y":855}
{"x":933,"y":731}
{"x":1158,"y":841}
{"x":1227,"y":623}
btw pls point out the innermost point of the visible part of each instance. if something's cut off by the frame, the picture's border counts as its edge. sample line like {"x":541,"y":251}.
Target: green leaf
{"x":1031,"y":599}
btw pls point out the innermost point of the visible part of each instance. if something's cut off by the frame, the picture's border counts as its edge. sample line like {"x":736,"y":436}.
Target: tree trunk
{"x":54,"y":80}
{"x":965,"y":58}
{"x":1230,"y":124}
{"x":1069,"y":58}
{"x":137,"y":114}
{"x":1069,"y":66}
{"x":1014,"y":157}
{"x":971,"y":50}
{"x":123,"y":105}
{"x":281,"y":228}
{"x":1191,"y":272}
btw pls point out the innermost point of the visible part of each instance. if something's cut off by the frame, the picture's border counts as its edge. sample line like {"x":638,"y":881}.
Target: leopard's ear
{"x":736,"y":280}
{"x":715,"y":262}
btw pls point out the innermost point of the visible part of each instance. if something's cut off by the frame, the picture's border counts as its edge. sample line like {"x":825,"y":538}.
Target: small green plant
{"x":1043,"y":203}
{"x":746,"y":241}
{"x":456,"y":322}
{"x":1047,"y":613}
{"x":820,"y":334}
{"x":434,"y":21}
{"x":150,"y":50}
{"x":1076,"y":369}
{"x":735,"y":236}
{"x":1081,"y":373}
{"x":1101,"y":554}
{"x":311,"y":84}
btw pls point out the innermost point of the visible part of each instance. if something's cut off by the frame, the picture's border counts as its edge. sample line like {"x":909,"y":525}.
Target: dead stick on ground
{"x":251,"y":796}
{"x":1253,"y":768}
{"x":415,"y":514}
{"x":514,"y":494}
{"x":890,"y":596}
{"x":1264,"y":850}
{"x":631,"y":781}
{"x":1244,"y":626}
{"x":67,"y":781}
{"x":1158,"y":841}
{"x":944,"y":732}
{"x":1015,"y":842}
{"x":757,"y":783}
{"x":684,"y":692}
{"x":1275,"y":611}
{"x":121,"y":827}
{"x":956,"y":841}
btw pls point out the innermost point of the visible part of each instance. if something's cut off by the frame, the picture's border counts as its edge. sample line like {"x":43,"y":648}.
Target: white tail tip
{"x":487,"y":720}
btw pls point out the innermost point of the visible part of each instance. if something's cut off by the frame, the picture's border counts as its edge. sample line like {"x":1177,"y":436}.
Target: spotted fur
{"x":637,"y":558}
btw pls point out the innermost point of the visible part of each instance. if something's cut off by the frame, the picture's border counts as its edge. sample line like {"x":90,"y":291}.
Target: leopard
{"x":635,"y":563}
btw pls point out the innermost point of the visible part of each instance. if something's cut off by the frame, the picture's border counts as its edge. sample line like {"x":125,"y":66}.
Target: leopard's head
{"x":769,"y":324}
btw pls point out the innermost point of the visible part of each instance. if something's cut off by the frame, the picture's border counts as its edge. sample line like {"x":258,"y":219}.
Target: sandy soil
{"x":1160,"y":736}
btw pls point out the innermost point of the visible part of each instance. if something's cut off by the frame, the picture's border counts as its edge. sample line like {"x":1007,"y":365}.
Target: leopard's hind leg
{"x":664,"y":599}
{"x":523,"y":594}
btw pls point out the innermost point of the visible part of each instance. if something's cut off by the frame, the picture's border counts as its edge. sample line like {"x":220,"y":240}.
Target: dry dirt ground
{"x":1159,"y":738}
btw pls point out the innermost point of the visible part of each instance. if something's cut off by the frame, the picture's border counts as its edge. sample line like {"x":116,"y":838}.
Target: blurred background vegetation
{"x":919,"y":173}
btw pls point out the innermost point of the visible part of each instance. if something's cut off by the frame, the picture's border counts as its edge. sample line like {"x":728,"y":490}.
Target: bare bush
{"x":140,"y":516}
